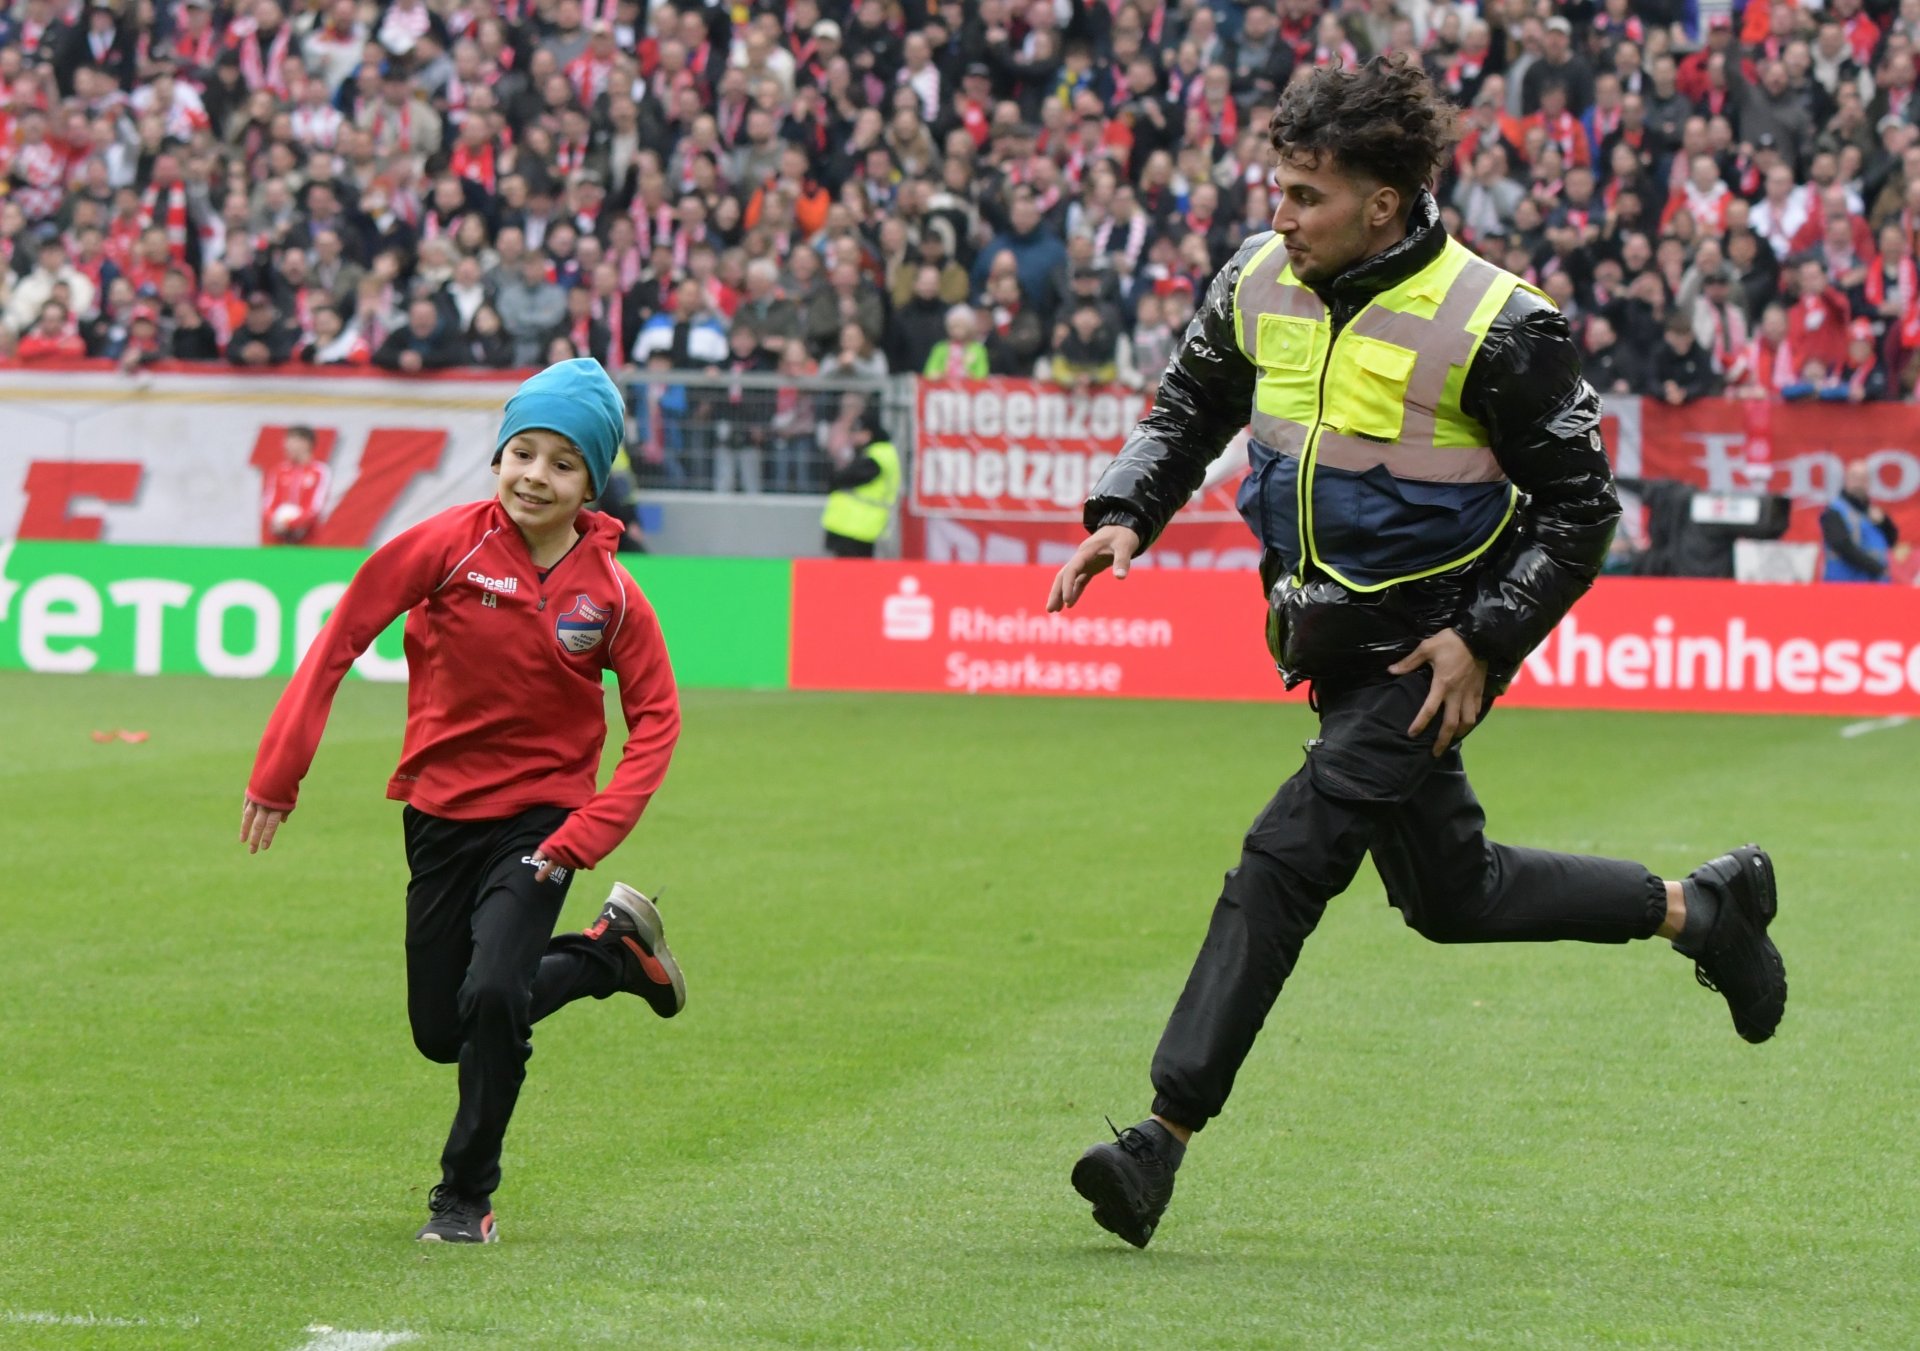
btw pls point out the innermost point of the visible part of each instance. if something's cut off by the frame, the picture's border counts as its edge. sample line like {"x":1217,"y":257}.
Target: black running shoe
{"x":630,"y":927}
{"x":456,"y":1219}
{"x":1736,"y":958}
{"x":1129,"y":1183}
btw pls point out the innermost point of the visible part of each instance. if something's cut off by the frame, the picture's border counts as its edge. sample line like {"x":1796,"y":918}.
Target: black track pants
{"x":1369,"y":787}
{"x":483,"y":967}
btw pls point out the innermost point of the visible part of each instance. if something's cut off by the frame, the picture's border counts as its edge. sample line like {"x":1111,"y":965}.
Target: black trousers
{"x":1367,"y":787}
{"x":483,"y":967}
{"x":840,"y":546}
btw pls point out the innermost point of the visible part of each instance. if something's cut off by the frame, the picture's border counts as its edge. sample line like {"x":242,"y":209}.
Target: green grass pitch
{"x":929,"y":942}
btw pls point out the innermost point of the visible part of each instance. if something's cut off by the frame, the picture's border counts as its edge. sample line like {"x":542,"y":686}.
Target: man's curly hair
{"x":1382,"y":120}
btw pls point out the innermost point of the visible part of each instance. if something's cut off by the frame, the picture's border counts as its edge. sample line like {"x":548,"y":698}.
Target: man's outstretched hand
{"x":1111,"y":546}
{"x":1459,"y":690}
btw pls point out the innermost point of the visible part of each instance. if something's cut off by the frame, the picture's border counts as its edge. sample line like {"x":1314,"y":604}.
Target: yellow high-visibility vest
{"x":862,"y":512}
{"x":1362,"y":461}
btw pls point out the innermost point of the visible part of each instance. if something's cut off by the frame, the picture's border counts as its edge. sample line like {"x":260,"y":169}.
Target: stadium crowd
{"x":1723,"y":202}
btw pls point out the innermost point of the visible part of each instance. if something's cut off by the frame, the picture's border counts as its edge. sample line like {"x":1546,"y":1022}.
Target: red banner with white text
{"x":1002,"y":467}
{"x":1799,"y":450}
{"x":1632,"y":643}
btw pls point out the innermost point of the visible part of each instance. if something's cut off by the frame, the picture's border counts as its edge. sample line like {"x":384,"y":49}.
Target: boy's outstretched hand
{"x":257,"y":826}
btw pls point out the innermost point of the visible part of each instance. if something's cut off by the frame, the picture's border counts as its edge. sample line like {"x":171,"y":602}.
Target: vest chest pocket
{"x":1370,"y":398}
{"x":1285,"y":342}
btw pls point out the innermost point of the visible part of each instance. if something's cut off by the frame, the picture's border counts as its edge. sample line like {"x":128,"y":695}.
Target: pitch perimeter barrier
{"x":1642,"y":644}
{"x":155,"y":610}
{"x":1632,"y":644}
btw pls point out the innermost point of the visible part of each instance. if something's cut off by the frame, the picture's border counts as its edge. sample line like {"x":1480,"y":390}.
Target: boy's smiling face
{"x":543,"y":481}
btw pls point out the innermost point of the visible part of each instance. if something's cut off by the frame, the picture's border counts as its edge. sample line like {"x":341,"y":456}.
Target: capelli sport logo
{"x":554,"y":874}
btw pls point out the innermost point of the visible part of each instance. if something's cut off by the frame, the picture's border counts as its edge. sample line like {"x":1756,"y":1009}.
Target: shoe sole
{"x":491,"y":1235}
{"x":650,"y":931}
{"x":1763,"y":904}
{"x":1106,"y":1190}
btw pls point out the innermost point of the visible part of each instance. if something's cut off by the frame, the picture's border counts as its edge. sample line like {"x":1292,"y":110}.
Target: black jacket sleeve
{"x":1205,"y":397}
{"x":1833,"y":531}
{"x":865,"y":469}
{"x":1543,"y":424}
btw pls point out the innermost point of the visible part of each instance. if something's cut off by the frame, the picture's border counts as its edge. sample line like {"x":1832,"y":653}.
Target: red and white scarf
{"x":589,"y":76}
{"x":317,"y":127}
{"x":1135,"y":242}
{"x":477,"y":166}
{"x":650,"y":230}
{"x":44,"y":167}
{"x":268,"y":71}
{"x":607,"y":310}
{"x":170,"y":214}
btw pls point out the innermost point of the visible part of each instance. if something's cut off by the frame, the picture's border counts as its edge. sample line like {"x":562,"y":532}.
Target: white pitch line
{"x":37,"y":1318}
{"x":325,"y":1338}
{"x":1854,"y":729}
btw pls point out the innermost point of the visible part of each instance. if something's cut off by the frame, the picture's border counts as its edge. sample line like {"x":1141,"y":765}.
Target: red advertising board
{"x":1632,"y":643}
{"x":1002,"y":467}
{"x":1800,"y":450}
{"x":935,"y":626}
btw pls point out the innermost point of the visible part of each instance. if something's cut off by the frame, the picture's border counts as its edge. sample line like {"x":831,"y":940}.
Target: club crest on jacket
{"x":581,"y":626}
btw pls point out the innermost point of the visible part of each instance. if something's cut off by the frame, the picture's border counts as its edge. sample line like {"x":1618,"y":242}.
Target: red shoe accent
{"x":649,"y":963}
{"x":595,"y":929}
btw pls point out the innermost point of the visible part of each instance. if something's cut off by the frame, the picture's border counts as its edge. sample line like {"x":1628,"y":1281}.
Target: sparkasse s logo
{"x":907,"y":616}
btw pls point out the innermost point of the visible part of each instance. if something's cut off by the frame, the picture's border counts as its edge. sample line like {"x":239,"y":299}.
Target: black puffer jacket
{"x":1543,"y":424}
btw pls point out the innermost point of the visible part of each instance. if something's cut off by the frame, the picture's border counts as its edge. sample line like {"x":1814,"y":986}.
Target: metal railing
{"x":754,"y":434}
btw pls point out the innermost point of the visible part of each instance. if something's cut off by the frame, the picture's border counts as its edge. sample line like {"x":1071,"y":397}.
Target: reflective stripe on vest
{"x":1382,"y":394}
{"x":862,"y":512}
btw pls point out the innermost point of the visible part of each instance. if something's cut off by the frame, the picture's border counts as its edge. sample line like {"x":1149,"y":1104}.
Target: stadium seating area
{"x":1723,"y":202}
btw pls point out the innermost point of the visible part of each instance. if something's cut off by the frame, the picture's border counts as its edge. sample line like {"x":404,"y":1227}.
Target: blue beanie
{"x":578,"y":400}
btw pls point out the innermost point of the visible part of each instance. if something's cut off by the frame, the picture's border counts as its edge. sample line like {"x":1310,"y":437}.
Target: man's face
{"x":1025,"y":215}
{"x":1858,"y":480}
{"x":1322,"y":214}
{"x":299,"y":449}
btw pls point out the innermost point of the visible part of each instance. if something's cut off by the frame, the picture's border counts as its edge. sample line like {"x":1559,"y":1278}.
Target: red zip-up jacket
{"x":505,"y":707}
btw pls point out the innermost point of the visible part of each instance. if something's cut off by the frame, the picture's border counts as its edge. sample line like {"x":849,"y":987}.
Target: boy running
{"x":514,"y":608}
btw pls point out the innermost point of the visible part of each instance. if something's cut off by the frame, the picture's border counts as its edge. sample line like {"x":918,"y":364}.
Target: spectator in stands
{"x":426,"y":343}
{"x":1817,"y":324}
{"x":530,"y":307}
{"x":1680,"y":371}
{"x":920,"y":325}
{"x":1558,"y":64}
{"x":255,"y":150}
{"x":333,"y":343}
{"x":791,"y":452}
{"x":1086,"y":348}
{"x":959,"y":355}
{"x":262,"y":340}
{"x":1036,"y":249}
{"x":31,"y":292}
{"x":1607,"y":363}
{"x":1862,"y":541}
{"x":855,"y":357}
{"x":54,"y":336}
{"x":1487,"y":198}
{"x":742,"y":432}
